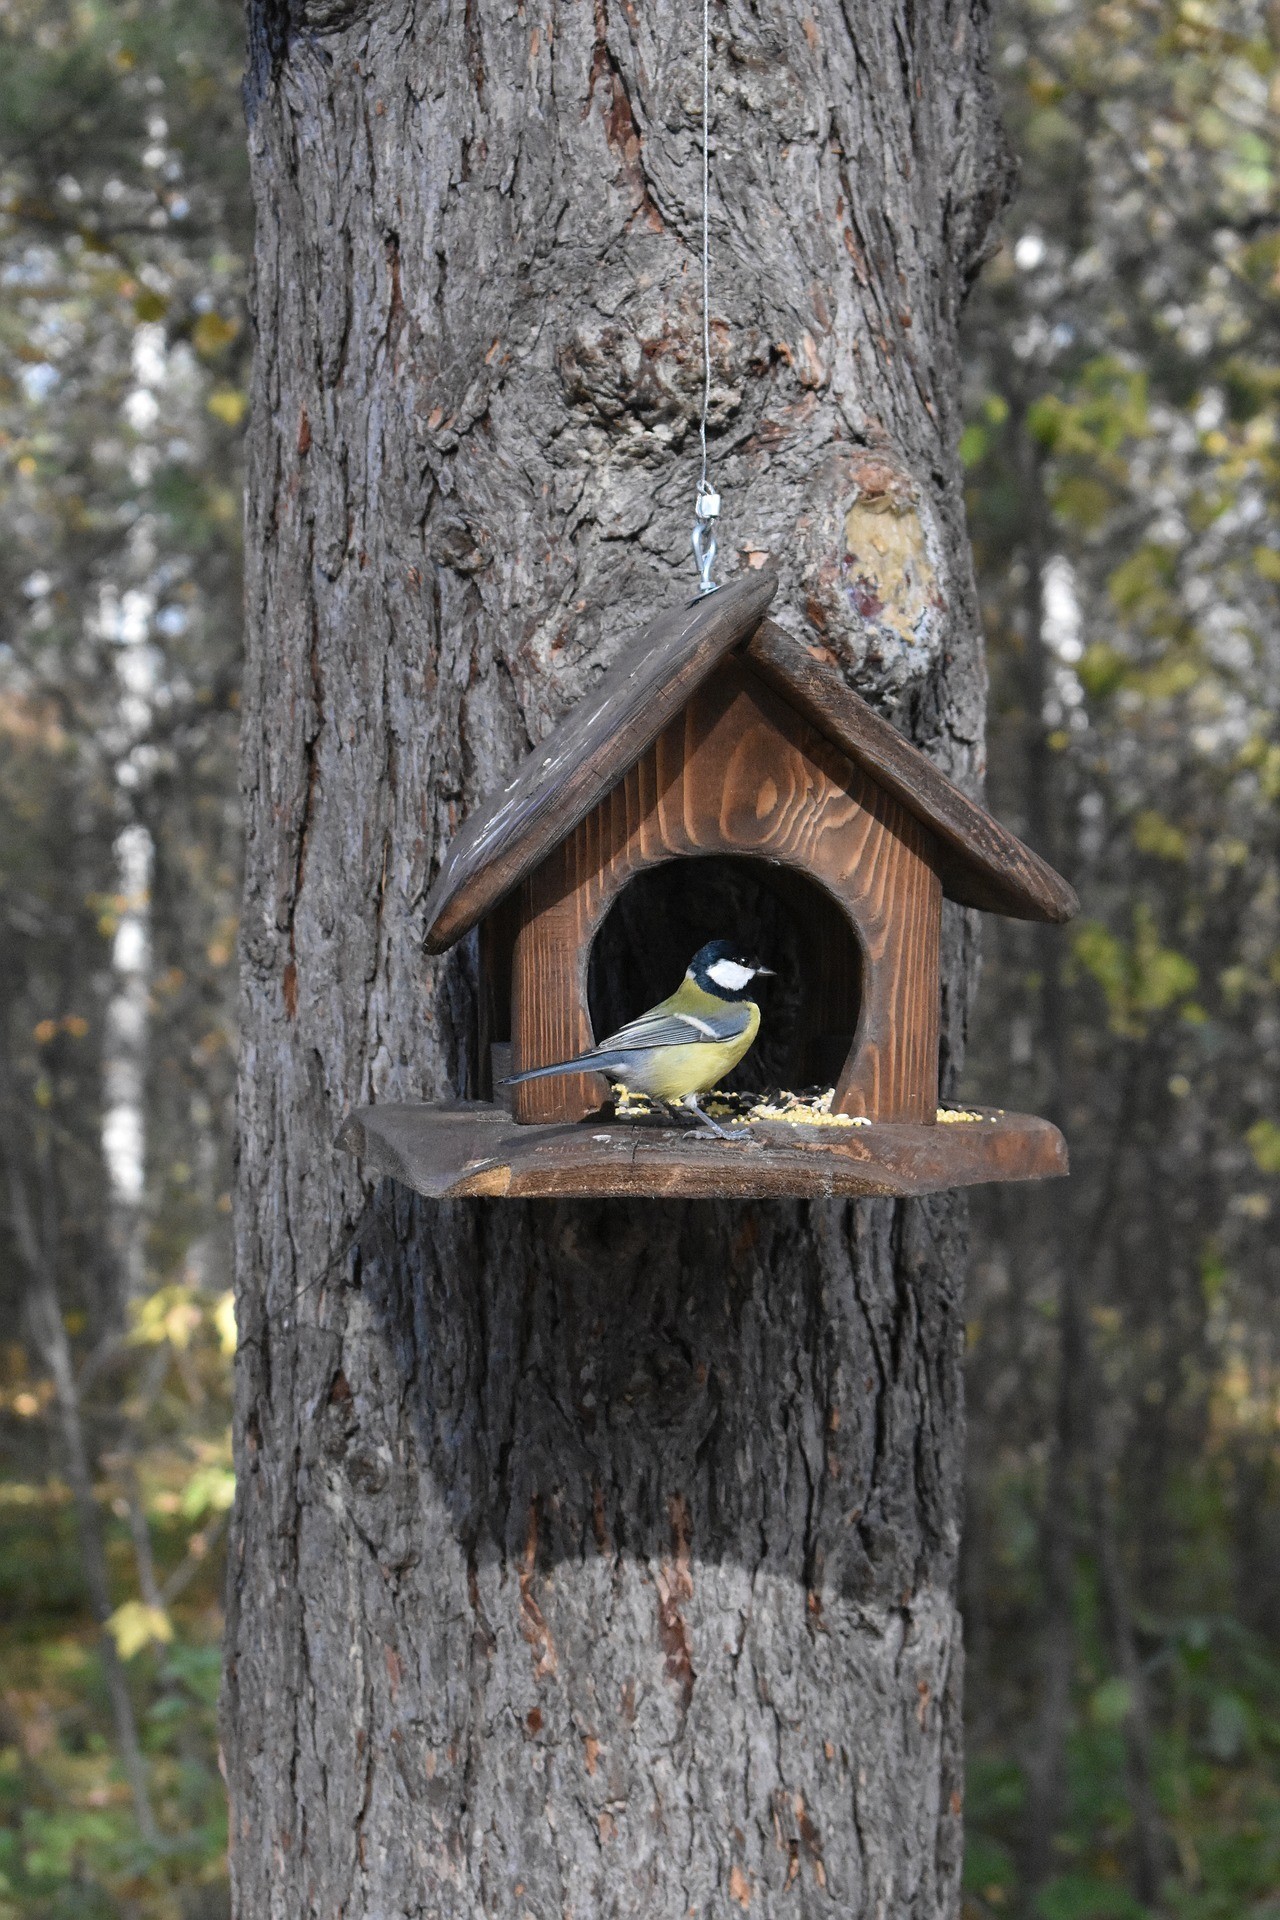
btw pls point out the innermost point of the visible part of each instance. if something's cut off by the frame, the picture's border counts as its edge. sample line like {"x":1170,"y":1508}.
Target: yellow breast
{"x":671,"y":1072}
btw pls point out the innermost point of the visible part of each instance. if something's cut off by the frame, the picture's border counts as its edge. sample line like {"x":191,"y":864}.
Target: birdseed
{"x":809,"y":1106}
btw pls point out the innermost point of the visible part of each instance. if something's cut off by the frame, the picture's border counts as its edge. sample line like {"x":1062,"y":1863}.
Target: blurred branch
{"x":49,"y":1337}
{"x":124,"y":1461}
{"x":1074,"y":1255}
{"x":185,"y":1572}
{"x":46,"y":218}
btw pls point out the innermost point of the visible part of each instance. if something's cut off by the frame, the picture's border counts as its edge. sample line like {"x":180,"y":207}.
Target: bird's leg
{"x":708,"y":1125}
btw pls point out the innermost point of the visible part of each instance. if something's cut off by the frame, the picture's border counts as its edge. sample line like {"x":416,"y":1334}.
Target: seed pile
{"x":809,"y":1106}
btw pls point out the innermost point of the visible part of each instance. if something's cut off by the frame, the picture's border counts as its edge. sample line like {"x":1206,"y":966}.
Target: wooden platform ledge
{"x":469,"y":1148}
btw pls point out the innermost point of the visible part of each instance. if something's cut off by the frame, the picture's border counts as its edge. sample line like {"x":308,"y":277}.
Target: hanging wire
{"x":707,"y":503}
{"x":706,"y":240}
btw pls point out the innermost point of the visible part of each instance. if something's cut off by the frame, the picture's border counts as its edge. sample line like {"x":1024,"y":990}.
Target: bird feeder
{"x":719,"y":752}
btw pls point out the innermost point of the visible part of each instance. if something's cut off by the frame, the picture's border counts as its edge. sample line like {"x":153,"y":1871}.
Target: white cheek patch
{"x":728,"y":974}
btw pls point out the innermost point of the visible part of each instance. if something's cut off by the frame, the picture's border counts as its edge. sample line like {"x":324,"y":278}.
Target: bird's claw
{"x":709,"y":1129}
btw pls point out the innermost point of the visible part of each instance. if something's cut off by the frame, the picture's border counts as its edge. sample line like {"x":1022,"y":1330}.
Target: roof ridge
{"x":981,"y":863}
{"x":596,"y":742}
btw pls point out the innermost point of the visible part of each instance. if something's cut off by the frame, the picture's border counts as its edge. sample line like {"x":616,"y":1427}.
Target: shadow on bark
{"x":642,"y":1379}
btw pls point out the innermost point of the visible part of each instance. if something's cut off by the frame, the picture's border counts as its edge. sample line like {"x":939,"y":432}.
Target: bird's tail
{"x":589,"y":1063}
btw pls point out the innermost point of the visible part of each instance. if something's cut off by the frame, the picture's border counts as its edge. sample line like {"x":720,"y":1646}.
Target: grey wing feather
{"x":661,"y":1029}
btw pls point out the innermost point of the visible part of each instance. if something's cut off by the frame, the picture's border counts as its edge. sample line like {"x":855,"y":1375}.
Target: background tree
{"x":596,"y":1558}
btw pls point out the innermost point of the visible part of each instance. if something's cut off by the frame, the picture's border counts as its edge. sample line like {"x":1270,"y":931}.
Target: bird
{"x":687,"y":1043}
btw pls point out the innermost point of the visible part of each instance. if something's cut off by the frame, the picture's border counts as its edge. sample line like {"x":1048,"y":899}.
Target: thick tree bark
{"x":591,"y":1560}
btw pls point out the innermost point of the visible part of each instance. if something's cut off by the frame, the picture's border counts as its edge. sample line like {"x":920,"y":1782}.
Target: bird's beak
{"x":769,"y":973}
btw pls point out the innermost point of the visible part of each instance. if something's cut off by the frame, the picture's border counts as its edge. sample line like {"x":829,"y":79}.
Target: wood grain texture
{"x":738,"y":771}
{"x":596,"y":741}
{"x":981,"y":863}
{"x":475,"y":1150}
{"x":493,"y":999}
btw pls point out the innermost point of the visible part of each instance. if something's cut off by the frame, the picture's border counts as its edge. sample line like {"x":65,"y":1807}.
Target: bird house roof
{"x":556,"y":786}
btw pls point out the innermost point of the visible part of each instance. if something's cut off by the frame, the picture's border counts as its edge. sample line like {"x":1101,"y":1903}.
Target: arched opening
{"x":809,"y":1012}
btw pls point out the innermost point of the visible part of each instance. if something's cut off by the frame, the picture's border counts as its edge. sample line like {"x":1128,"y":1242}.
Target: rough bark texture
{"x":591,"y":1559}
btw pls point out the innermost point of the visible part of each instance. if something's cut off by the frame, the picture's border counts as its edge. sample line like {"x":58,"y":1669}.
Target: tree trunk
{"x":588,"y":1559}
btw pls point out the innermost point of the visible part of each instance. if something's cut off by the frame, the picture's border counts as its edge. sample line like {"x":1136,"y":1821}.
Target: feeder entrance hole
{"x":809,"y":1011}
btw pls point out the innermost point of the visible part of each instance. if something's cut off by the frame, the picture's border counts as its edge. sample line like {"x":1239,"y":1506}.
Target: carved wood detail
{"x":739,"y":771}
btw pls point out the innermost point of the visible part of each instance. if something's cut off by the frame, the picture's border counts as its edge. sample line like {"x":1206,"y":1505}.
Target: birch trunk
{"x":588,"y":1560}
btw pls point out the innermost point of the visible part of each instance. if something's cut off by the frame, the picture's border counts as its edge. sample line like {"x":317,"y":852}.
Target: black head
{"x":722,"y":968}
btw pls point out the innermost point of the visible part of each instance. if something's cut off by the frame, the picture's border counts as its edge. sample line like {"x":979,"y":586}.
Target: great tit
{"x":688,"y":1042}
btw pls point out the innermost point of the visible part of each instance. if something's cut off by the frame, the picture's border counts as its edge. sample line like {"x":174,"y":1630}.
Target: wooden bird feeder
{"x":719,"y":752}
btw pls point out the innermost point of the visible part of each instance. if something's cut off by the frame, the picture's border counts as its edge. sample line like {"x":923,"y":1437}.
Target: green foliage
{"x":1155,"y":835}
{"x":123,"y":231}
{"x":1078,"y":1896}
{"x":1126,"y":518}
{"x":1111,"y":1703}
{"x":65,"y":1812}
{"x":1264,"y":1144}
{"x":1139,"y":977}
{"x":990,"y":1871}
{"x":1102,"y":670}
{"x":1217,"y":1687}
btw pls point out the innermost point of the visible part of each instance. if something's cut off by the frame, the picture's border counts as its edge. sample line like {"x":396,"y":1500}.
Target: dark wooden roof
{"x":605,"y":734}
{"x":594,"y":745}
{"x":982,"y":865}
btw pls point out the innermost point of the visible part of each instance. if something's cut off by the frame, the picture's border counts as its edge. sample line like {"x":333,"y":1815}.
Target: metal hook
{"x":707,"y":512}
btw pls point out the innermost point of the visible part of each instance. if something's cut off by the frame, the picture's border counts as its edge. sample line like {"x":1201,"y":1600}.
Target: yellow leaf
{"x":167,"y":1314}
{"x":208,"y":1488}
{"x":134,"y":1626}
{"x":228,"y":404}
{"x":1155,"y":835}
{"x":181,"y":1322}
{"x":212,"y":333}
{"x":224,"y":1319}
{"x":1263,"y":1139}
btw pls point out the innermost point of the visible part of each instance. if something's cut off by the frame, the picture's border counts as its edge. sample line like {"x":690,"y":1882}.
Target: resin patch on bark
{"x":875,"y":556}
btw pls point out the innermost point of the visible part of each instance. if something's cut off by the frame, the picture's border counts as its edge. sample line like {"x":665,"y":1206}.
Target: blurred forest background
{"x":1122,"y":1569}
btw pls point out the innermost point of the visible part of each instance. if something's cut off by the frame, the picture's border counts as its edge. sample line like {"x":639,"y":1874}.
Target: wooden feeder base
{"x":469,"y":1149}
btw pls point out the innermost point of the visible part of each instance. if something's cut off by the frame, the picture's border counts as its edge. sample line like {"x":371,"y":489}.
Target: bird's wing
{"x":661,"y":1028}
